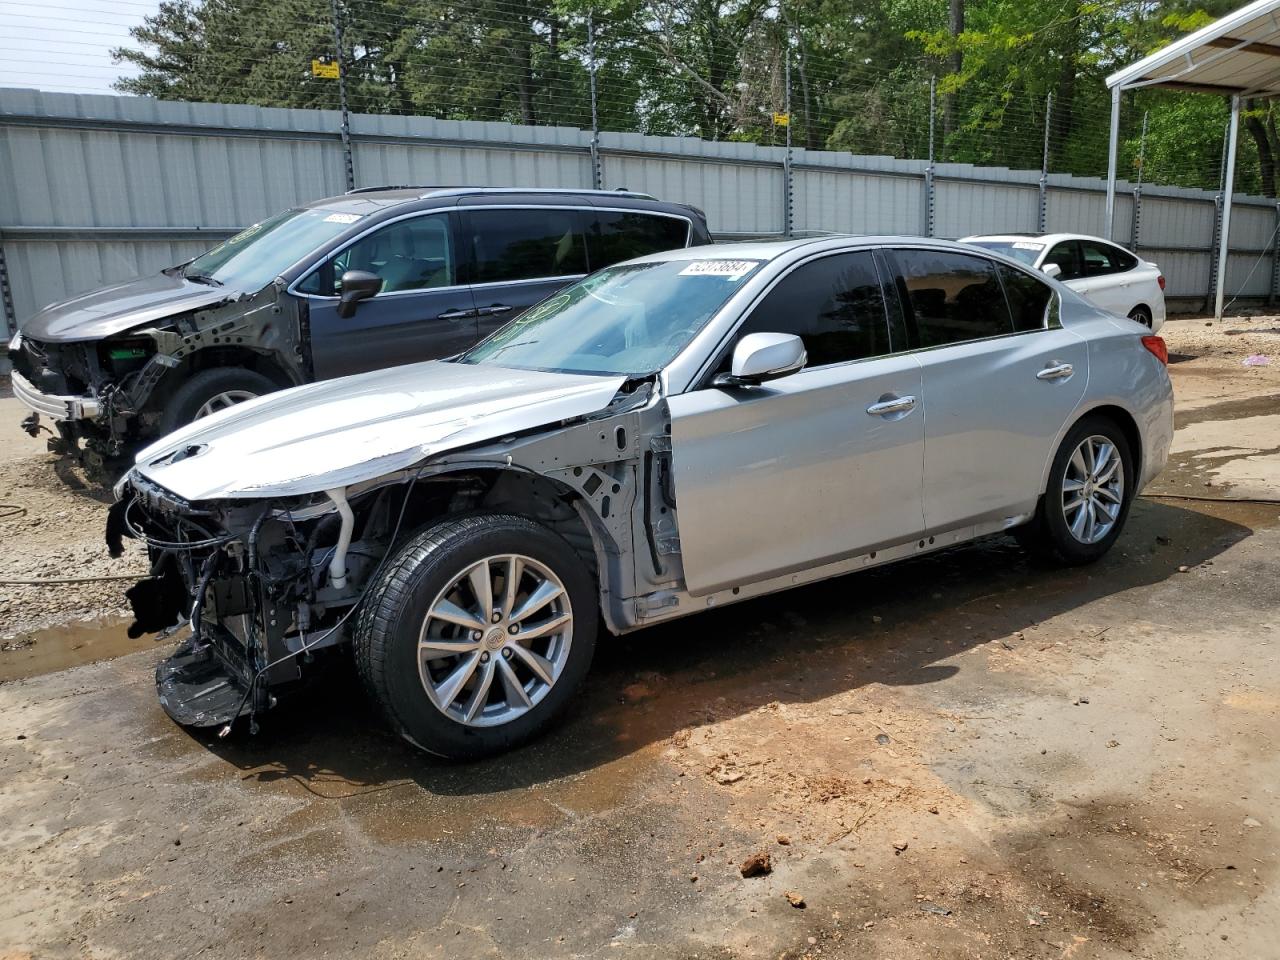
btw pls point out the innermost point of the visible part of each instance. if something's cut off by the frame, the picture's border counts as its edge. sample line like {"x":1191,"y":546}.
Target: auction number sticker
{"x":1027,"y":245}
{"x":730,"y":269}
{"x":342,"y":218}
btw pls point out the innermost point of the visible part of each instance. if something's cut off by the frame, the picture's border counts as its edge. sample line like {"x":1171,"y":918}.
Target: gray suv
{"x":374,"y":278}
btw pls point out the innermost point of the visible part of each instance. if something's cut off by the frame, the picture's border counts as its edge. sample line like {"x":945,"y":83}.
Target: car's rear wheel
{"x":1085,"y":505}
{"x":476,"y":634}
{"x":1142,"y":315}
{"x":209,"y":391}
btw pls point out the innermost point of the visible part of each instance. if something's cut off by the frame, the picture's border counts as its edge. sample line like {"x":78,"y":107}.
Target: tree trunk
{"x":1064,"y":99}
{"x":1263,"y":137}
{"x":951,"y":107}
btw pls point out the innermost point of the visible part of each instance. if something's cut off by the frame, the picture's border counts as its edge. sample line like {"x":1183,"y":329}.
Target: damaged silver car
{"x":670,"y":434}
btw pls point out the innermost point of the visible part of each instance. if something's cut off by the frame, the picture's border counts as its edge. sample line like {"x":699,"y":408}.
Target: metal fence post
{"x":787,"y":185}
{"x":1213,"y":250}
{"x":6,"y":298}
{"x":929,"y":191}
{"x":1042,"y":222}
{"x":342,"y":96}
{"x":1275,"y":261}
{"x":597,"y":174}
{"x":1135,"y":225}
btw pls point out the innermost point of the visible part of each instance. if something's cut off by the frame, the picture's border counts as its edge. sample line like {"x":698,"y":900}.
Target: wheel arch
{"x":1123,"y":418}
{"x":501,"y":488}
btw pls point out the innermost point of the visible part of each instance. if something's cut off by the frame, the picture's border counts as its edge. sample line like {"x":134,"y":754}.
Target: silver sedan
{"x":678,"y":432}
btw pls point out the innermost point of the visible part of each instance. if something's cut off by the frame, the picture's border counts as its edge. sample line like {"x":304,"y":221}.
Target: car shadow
{"x":891,"y":625}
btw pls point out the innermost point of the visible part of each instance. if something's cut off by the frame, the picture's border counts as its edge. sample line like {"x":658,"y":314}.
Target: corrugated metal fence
{"x":95,"y":189}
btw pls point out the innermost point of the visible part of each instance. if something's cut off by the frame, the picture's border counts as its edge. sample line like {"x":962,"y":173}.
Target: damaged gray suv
{"x":371,"y":279}
{"x":674,"y":433}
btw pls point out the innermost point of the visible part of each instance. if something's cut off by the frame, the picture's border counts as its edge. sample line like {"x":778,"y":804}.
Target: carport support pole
{"x":1110,"y":215}
{"x":1224,"y":238}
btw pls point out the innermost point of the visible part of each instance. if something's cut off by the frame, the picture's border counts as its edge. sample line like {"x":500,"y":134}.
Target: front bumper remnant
{"x":197,"y":689}
{"x":53,"y":406}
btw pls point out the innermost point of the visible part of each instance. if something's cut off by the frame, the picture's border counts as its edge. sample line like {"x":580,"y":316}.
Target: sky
{"x":65,"y":45}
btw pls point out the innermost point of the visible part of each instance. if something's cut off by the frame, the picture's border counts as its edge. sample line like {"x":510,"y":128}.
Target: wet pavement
{"x":964,"y":755}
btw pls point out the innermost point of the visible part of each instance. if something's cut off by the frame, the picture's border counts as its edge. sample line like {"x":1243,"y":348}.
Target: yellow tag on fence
{"x":326,"y":69}
{"x":782,"y":119}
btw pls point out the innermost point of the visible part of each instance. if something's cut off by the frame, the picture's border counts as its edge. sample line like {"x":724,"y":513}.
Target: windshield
{"x":630,"y":319}
{"x":256,"y":256}
{"x":1026,"y":251}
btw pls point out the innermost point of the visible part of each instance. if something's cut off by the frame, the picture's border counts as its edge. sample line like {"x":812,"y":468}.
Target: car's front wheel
{"x":476,"y":634}
{"x":209,"y":391}
{"x":1086,"y":502}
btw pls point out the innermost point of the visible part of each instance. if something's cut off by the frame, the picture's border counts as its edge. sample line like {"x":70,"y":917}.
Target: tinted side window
{"x":615,"y":236}
{"x":1028,"y":298}
{"x":525,"y":244}
{"x":414,"y":254}
{"x":1066,"y":256}
{"x":953,"y":297}
{"x":835,"y":305}
{"x":1102,"y":258}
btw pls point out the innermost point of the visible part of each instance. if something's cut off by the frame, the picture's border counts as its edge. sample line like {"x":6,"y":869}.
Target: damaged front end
{"x":264,"y":586}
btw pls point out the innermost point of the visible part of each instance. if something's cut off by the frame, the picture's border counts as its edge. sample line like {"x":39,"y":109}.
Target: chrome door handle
{"x":456,"y":315}
{"x":1059,"y":372}
{"x":896,"y":405}
{"x":495,"y":309}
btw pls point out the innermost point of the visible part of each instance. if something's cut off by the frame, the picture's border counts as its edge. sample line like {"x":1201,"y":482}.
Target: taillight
{"x":1157,"y":348}
{"x":1160,"y":280}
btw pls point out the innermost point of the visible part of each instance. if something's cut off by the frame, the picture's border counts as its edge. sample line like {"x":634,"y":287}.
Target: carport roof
{"x":1237,"y":55}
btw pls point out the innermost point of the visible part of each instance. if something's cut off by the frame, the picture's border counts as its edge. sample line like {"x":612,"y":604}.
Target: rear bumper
{"x":51,"y":405}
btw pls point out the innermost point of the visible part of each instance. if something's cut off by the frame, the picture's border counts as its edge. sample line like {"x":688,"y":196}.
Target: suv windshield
{"x":630,"y":319}
{"x":257,"y":255}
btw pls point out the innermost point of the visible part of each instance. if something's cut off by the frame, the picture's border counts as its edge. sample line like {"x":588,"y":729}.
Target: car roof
{"x":1045,"y":238}
{"x":370,"y":200}
{"x":774,"y":249}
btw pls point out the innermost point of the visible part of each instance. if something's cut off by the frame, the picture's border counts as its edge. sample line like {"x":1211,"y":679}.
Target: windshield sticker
{"x":730,"y":269}
{"x":1025,"y":245}
{"x":342,"y":218}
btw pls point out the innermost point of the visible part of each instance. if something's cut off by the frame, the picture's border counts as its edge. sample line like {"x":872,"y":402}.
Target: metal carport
{"x":1237,"y":57}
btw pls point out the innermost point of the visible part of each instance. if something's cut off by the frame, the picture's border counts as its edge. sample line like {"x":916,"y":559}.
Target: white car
{"x":1100,"y":271}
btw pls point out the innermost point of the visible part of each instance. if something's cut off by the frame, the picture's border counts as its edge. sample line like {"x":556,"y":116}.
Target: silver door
{"x":820,"y":465}
{"x":995,"y":409}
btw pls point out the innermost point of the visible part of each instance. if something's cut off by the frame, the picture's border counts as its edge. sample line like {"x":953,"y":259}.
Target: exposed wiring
{"x":171,"y":545}
{"x":306,"y":648}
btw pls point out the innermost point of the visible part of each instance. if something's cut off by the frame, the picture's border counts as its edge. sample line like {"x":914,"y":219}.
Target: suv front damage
{"x":102,"y":367}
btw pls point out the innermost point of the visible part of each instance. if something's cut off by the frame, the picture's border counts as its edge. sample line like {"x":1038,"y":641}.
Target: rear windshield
{"x":1027,"y":251}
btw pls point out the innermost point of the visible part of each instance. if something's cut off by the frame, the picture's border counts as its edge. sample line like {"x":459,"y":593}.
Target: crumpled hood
{"x":339,"y":432}
{"x":121,"y":306}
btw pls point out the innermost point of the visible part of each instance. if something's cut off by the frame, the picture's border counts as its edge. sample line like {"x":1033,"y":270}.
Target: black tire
{"x":1142,"y":315}
{"x":182,"y":407}
{"x":1048,"y":536}
{"x":386,"y":634}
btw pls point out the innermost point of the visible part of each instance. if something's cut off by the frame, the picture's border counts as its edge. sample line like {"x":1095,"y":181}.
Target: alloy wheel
{"x":220,"y":401}
{"x":495,"y":640}
{"x":1093,"y":489}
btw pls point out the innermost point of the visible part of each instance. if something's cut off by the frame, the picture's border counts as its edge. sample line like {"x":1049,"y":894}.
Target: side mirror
{"x":357,"y":285}
{"x":1051,"y":270}
{"x":758,"y":357}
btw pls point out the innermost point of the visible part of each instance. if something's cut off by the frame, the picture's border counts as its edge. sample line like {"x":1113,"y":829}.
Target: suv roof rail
{"x":398,"y":186}
{"x":463,"y":191}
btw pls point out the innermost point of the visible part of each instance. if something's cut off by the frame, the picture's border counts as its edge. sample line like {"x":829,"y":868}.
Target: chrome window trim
{"x":312,"y":267}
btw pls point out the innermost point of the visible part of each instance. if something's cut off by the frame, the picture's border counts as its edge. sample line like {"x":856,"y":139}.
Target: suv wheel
{"x":1091,"y":485}
{"x":210,"y":391}
{"x":476,"y":634}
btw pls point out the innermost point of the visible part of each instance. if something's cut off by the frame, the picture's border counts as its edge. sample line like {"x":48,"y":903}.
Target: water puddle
{"x":37,"y":652}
